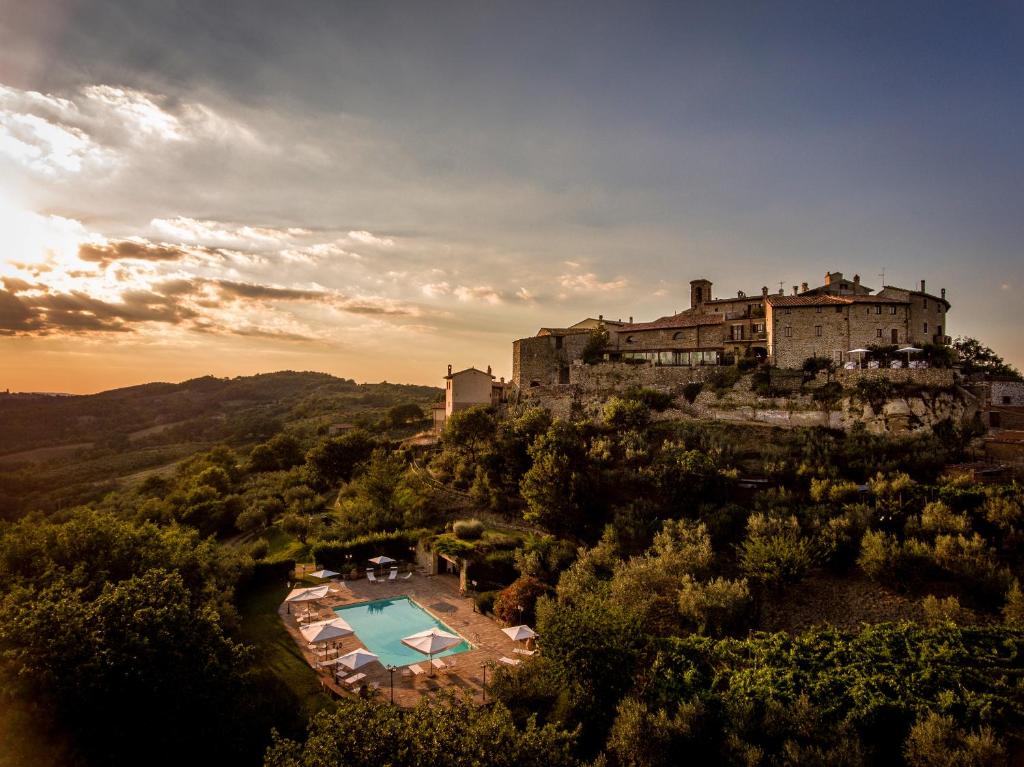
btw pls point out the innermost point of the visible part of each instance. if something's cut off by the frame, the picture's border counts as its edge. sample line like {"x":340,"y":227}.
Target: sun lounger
{"x":392,"y":575}
{"x":522,"y":651}
{"x":417,"y":669}
{"x":371,"y":577}
{"x":509,"y":661}
{"x":439,"y":664}
{"x":407,"y":576}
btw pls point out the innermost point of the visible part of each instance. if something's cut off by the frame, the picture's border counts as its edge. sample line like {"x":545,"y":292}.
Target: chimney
{"x":794,"y":290}
{"x":488,"y":370}
{"x":828,"y":279}
{"x":856,"y":279}
{"x":764,"y":292}
{"x":631,"y":320}
{"x":781,"y":291}
{"x":943,"y":294}
{"x":600,"y":318}
{"x":803,"y":287}
{"x":503,"y":379}
{"x":449,"y":370}
{"x":922,"y":286}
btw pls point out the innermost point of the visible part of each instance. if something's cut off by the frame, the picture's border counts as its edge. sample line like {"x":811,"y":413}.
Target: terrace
{"x":437,"y":595}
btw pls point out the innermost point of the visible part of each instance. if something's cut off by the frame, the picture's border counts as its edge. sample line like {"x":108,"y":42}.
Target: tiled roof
{"x":681,"y":320}
{"x":468,"y":370}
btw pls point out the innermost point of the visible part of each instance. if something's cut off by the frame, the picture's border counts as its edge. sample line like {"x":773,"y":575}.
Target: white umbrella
{"x":859,"y":351}
{"x":520,"y":633}
{"x":431,"y":641}
{"x":326,"y":631}
{"x":305,"y":595}
{"x":356,"y":659}
{"x":908,"y":350}
{"x":382,"y":560}
{"x":323,"y":574}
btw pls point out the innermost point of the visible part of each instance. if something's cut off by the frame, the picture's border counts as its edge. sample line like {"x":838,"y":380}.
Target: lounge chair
{"x":417,"y":669}
{"x":355,"y":679}
{"x":439,"y":664}
{"x":509,"y":661}
{"x":371,"y":577}
{"x":393,"y":575}
{"x":522,"y":651}
{"x":407,"y":576}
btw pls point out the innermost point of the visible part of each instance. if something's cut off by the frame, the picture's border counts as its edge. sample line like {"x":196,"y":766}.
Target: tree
{"x":400,"y":415}
{"x":516,"y":603}
{"x":335,"y":459}
{"x":468,"y":430}
{"x":597,"y":342}
{"x":975,"y":357}
{"x":363,"y":733}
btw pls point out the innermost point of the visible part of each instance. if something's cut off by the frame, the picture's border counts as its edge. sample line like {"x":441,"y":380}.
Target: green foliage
{"x":942,"y":611}
{"x":335,"y":459}
{"x":723,"y":378}
{"x":361,"y":733}
{"x":484,"y":601}
{"x":385,"y":495}
{"x":517,"y":603}
{"x":774,"y":552}
{"x":870,"y":687}
{"x":874,"y":391}
{"x":975,"y":357}
{"x":691,"y":390}
{"x":558,"y":486}
{"x":355,"y":553}
{"x":641,"y":737}
{"x":470,"y":430}
{"x":468,"y":529}
{"x":407,"y":412}
{"x":936,"y":741}
{"x":652,"y":398}
{"x":718,"y":607}
{"x":626,"y":414}
{"x":597,"y":342}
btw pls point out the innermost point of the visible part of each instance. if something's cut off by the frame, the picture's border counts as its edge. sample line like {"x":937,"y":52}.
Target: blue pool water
{"x":381,"y":624}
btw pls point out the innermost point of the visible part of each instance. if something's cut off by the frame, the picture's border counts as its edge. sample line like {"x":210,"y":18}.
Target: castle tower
{"x":700,"y":291}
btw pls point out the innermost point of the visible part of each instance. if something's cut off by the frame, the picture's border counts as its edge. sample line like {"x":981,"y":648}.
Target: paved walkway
{"x":439,"y":596}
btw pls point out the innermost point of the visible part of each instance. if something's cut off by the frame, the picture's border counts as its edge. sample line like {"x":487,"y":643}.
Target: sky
{"x":380,"y":189}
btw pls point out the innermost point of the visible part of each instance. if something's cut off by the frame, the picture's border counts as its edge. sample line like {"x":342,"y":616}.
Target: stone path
{"x":439,"y":596}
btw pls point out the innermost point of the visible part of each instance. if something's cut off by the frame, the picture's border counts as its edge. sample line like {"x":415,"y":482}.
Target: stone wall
{"x":545,"y":360}
{"x":938,"y":377}
{"x":853,"y":326}
{"x":619,"y":376}
{"x":1014,"y":390}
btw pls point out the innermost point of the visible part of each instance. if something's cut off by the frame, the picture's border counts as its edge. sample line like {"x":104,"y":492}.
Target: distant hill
{"x":204,"y":408}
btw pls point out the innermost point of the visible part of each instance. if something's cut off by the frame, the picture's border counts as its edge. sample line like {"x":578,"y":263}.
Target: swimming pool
{"x":382,"y":624}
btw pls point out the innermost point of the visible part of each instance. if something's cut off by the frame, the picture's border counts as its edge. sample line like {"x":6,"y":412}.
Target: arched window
{"x":677,"y":336}
{"x":629,"y":339}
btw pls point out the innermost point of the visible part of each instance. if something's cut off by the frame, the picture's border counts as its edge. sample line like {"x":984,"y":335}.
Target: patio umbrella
{"x":520,"y":633}
{"x":356,"y":659}
{"x":382,"y":560}
{"x":323,"y":574}
{"x":908,"y":350}
{"x":326,"y":631}
{"x":305,"y":595}
{"x":431,"y":641}
{"x":861,"y":352}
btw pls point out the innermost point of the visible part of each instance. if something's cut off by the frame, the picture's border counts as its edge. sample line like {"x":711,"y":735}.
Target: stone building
{"x":465,"y":389}
{"x":826,"y":321}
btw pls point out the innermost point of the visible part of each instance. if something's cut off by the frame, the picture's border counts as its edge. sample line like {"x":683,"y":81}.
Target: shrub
{"x":517,"y":603}
{"x":468,"y":529}
{"x":941,"y":611}
{"x":723,"y":378}
{"x":745,"y":364}
{"x":775,"y":559}
{"x":873,"y":391}
{"x":1013,"y":610}
{"x":625,"y":414}
{"x":356,"y":552}
{"x":484,"y":601}
{"x":495,"y":568}
{"x":936,"y":741}
{"x":717,"y":607}
{"x":829,"y":394}
{"x":652,"y":398}
{"x":593,"y":350}
{"x":691,"y":390}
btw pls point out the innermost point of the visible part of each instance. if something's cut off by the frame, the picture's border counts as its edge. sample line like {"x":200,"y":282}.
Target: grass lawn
{"x":278,"y":652}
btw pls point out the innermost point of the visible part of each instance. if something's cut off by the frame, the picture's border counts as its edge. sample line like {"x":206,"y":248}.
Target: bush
{"x":593,"y":350}
{"x":468,"y":529}
{"x":936,"y":741}
{"x":722,"y":379}
{"x":873,"y":391}
{"x":716,"y":608}
{"x":938,"y":612}
{"x":517,"y":603}
{"x":691,"y":390}
{"x":484,"y":602}
{"x":356,"y":552}
{"x":623,"y":414}
{"x":652,"y":398}
{"x":774,"y":551}
{"x":745,"y":364}
{"x":495,"y":568}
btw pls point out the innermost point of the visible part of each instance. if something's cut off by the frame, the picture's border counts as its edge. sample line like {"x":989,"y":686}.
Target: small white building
{"x":465,"y":389}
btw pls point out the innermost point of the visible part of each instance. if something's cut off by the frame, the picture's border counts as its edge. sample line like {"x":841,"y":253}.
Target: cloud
{"x":479,"y":293}
{"x":525,"y":295}
{"x":206,"y":232}
{"x":248,"y":290}
{"x":589,"y":283}
{"x":366,"y":238}
{"x":436,"y":289}
{"x":133,"y":248}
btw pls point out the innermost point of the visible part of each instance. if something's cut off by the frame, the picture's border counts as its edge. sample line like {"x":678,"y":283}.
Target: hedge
{"x":356,"y":552}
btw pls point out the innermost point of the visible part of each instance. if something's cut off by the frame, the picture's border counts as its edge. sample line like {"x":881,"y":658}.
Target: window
{"x":892,"y":310}
{"x":878,"y":332}
{"x":878,"y":309}
{"x":895,"y":336}
{"x":844,"y":286}
{"x":757,"y":327}
{"x":938,"y":330}
{"x":788,"y":332}
{"x":817,"y":309}
{"x":629,"y":339}
{"x":926,"y":303}
{"x":677,"y":336}
{"x":817,"y":330}
{"x":926,"y":328}
{"x":558,"y":342}
{"x":1006,"y":399}
{"x":787,"y":311}
{"x":869,"y":310}
{"x":839,"y":310}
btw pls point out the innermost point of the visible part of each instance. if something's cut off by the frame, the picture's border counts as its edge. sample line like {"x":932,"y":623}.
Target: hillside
{"x":57,"y":451}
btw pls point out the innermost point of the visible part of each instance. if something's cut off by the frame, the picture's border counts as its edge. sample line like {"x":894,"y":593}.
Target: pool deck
{"x":439,"y":596}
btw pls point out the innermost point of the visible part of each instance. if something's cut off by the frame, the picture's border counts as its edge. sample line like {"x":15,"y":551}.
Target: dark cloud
{"x":139,"y":250}
{"x":15,"y":317}
{"x":249,"y":290}
{"x":14,"y":285}
{"x":175,"y":287}
{"x":79,"y":312}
